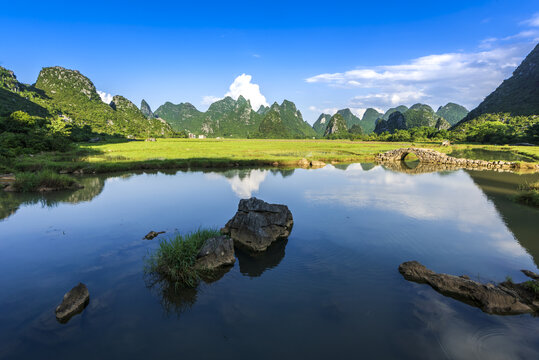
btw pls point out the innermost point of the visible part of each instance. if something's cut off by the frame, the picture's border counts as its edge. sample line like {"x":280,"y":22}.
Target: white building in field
{"x":201,"y":136}
{"x":192,"y":136}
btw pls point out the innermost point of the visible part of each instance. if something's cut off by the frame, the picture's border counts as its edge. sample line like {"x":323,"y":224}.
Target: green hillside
{"x":518,"y":95}
{"x":349,"y":117}
{"x":336,"y":125}
{"x":452,"y":112}
{"x":401,"y":108}
{"x":419,"y":115}
{"x":368,"y":122}
{"x":74,"y":96}
{"x":321,"y":124}
{"x":235,"y":118}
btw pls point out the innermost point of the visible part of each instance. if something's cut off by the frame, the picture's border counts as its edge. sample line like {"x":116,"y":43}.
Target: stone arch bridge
{"x":429,"y":156}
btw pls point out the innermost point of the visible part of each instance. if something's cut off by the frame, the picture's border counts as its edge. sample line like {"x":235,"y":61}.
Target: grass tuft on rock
{"x":44,"y":180}
{"x":529,"y":194}
{"x":174,"y":260}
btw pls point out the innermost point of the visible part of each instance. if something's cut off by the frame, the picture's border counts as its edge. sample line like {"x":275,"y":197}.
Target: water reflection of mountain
{"x":521,"y":220}
{"x":10,"y":202}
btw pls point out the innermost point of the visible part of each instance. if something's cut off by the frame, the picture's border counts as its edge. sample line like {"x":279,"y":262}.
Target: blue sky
{"x":322,"y":56}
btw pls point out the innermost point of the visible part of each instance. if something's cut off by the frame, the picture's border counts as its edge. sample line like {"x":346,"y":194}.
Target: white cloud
{"x":330,"y":111}
{"x":106,"y":98}
{"x":462,"y":77}
{"x":533,"y":21}
{"x":242,"y":85}
{"x":208,"y":100}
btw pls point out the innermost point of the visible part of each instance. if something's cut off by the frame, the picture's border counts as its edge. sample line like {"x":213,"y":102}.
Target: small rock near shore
{"x":73,"y":303}
{"x":152,"y":234}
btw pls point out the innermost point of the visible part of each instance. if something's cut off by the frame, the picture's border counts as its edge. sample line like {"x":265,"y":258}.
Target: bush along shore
{"x":40,"y":181}
{"x":529,"y":194}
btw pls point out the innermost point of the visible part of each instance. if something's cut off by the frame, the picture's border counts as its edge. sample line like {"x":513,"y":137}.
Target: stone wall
{"x":429,"y":156}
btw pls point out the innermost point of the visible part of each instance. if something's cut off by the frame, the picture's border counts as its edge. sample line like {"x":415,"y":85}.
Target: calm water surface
{"x":331,"y":291}
{"x":483,"y":154}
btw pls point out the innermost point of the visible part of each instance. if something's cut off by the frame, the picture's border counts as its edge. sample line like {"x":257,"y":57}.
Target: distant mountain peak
{"x":146,"y":110}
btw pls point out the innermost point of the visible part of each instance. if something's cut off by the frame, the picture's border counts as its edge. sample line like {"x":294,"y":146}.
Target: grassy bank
{"x":529,"y":194}
{"x":174,"y":260}
{"x":194,"y":153}
{"x":44,"y":180}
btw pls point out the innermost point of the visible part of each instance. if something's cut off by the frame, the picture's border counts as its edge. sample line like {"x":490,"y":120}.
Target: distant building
{"x":201,"y":136}
{"x":192,"y":136}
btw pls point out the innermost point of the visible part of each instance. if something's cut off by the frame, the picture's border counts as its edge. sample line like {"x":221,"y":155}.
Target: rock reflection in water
{"x":254,"y":265}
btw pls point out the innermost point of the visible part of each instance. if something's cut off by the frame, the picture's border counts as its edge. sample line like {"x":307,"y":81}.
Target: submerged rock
{"x":216,"y":252}
{"x":152,"y":234}
{"x":503,"y":299}
{"x":257,"y":224}
{"x":73,"y":303}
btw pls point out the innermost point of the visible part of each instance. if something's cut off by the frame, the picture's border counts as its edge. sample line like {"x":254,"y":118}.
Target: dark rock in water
{"x":73,"y":303}
{"x":152,"y":234}
{"x":216,"y":252}
{"x":503,"y":299}
{"x":257,"y":224}
{"x":530,"y":274}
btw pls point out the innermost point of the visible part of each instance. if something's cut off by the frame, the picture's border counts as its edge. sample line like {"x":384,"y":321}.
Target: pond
{"x":489,"y":155}
{"x":332,"y":290}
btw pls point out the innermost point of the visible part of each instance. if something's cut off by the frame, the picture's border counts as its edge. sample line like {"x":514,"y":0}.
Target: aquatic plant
{"x":174,"y":259}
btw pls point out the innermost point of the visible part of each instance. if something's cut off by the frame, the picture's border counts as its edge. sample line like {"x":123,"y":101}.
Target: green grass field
{"x":195,"y":153}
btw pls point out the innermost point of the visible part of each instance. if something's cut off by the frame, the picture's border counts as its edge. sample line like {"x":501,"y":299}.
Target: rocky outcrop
{"x":152,"y":234}
{"x":257,"y":224}
{"x":505,"y":298}
{"x":336,"y":125}
{"x":396,"y":121}
{"x":216,"y":252}
{"x":73,"y":303}
{"x":146,"y":110}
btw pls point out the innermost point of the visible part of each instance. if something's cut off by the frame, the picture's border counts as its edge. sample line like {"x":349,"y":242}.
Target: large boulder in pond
{"x":73,"y":303}
{"x":506,"y":298}
{"x":257,"y":224}
{"x":216,"y":252}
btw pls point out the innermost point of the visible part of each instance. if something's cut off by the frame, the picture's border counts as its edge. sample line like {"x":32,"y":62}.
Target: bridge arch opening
{"x":410,"y":160}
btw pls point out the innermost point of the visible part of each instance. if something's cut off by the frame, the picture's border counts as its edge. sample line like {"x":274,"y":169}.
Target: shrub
{"x":28,"y":181}
{"x":174,"y":259}
{"x":529,"y":194}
